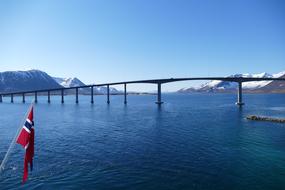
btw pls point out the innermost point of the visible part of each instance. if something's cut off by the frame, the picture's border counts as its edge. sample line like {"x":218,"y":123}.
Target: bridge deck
{"x":152,"y":81}
{"x":158,"y":82}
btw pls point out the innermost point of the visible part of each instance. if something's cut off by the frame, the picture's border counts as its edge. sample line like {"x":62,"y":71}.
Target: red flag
{"x":26,"y":139}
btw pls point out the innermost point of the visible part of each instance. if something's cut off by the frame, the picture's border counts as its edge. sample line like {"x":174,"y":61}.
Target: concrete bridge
{"x":157,"y":82}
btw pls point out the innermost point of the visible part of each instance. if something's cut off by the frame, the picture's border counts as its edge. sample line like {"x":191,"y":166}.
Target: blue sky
{"x":102,"y":41}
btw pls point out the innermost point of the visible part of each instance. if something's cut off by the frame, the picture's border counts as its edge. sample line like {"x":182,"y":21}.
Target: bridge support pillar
{"x":36,"y":97}
{"x":48,"y":96}
{"x":12,"y":98}
{"x":125,"y":93}
{"x":76,"y":94}
{"x":62,"y":96}
{"x":239,"y":100}
{"x":92,"y":94}
{"x":159,"y":102}
{"x":23,"y":98}
{"x":1,"y":99}
{"x":108,"y":94}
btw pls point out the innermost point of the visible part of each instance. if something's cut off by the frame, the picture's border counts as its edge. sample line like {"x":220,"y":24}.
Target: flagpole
{"x":2,"y":166}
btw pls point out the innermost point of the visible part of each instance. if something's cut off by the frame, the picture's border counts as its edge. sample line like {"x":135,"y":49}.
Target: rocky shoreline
{"x":265,"y":118}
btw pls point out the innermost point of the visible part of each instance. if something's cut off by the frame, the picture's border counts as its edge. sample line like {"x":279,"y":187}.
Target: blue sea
{"x":195,"y":141}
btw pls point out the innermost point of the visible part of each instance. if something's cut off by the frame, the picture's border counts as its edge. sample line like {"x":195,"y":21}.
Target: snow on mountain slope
{"x":11,"y":81}
{"x":257,"y":84}
{"x":74,"y":82}
{"x":275,"y":86}
{"x":103,"y":90}
{"x":225,"y":85}
{"x":280,"y":74}
{"x":68,"y":82}
{"x":233,"y":85}
{"x":26,"y":80}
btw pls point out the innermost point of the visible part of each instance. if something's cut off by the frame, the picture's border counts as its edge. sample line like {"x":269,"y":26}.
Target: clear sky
{"x":102,"y":41}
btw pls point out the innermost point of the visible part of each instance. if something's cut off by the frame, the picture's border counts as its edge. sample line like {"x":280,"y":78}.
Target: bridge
{"x":157,"y":82}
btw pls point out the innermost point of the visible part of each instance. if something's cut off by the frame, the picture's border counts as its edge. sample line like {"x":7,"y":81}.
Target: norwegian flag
{"x":26,"y":139}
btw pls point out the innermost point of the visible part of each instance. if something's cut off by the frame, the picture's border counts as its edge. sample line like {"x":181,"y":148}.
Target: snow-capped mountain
{"x":226,"y":86}
{"x":13,"y":81}
{"x":222,"y":85}
{"x":275,"y":86}
{"x":103,"y":90}
{"x":74,"y":82}
{"x":68,"y":82}
{"x":26,"y":80}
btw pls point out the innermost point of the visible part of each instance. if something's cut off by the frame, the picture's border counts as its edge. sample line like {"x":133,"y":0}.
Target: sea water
{"x":197,"y":141}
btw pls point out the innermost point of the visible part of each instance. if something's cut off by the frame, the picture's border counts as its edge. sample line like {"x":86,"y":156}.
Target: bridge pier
{"x":76,"y":92}
{"x":92,"y":93}
{"x":125,"y":93}
{"x":157,"y":82}
{"x":48,"y":96}
{"x":23,"y":98}
{"x":108,"y":94}
{"x":159,"y":102}
{"x":36,"y":97}
{"x":62,"y":96}
{"x":239,"y":100}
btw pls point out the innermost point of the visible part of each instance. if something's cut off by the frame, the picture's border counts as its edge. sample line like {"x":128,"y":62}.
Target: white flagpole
{"x":2,"y":166}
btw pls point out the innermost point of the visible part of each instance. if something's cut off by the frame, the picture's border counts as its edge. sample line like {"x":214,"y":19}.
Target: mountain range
{"x":74,"y":82}
{"x":11,"y":81}
{"x":250,"y":87}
